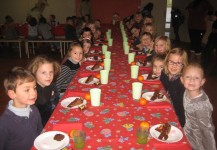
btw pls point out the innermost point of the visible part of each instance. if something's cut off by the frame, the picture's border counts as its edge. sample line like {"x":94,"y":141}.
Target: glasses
{"x":172,"y":63}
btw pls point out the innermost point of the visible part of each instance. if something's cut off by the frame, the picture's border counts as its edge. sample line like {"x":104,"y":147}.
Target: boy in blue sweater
{"x":20,"y":123}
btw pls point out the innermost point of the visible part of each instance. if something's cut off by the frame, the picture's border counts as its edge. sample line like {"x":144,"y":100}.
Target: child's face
{"x":149,"y":29}
{"x":138,"y":18}
{"x":97,"y":24}
{"x":86,"y":35}
{"x":160,"y":47}
{"x":157,"y":67}
{"x":193,"y":79}
{"x":70,"y":22}
{"x":146,"y":40}
{"x":92,"y":28}
{"x":86,"y":47}
{"x":147,"y":20}
{"x":44,"y":75}
{"x":24,"y":95}
{"x":174,"y":64}
{"x":76,"y":54}
{"x":135,"y":32}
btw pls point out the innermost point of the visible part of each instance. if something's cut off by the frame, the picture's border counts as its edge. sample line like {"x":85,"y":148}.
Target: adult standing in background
{"x":85,"y":8}
{"x":197,"y":11}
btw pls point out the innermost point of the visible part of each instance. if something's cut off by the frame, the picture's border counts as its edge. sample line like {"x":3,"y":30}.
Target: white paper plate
{"x":45,"y":141}
{"x":89,"y":68}
{"x":92,"y":58}
{"x":67,"y":101}
{"x":83,"y":80}
{"x":145,"y":77}
{"x":175,"y":134}
{"x":148,"y":96}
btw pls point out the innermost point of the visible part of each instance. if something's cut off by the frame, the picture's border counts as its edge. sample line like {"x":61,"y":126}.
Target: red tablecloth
{"x":113,"y":124}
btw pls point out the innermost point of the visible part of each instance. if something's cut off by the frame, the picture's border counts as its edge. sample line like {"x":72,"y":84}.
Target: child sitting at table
{"x":158,"y":62}
{"x":148,"y":19}
{"x":136,"y":32}
{"x":162,"y":45}
{"x":149,"y":27}
{"x":69,"y":67}
{"x":32,"y":29}
{"x":70,"y":30}
{"x":175,"y":61}
{"x":45,"y":70}
{"x":147,"y":44}
{"x":20,"y":122}
{"x":52,"y":20}
{"x":86,"y":34}
{"x":199,"y":128}
{"x":86,"y":45}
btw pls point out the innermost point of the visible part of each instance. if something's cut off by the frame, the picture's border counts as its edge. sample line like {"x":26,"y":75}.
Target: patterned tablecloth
{"x":113,"y":124}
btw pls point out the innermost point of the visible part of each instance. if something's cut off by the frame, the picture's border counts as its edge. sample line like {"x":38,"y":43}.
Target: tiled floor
{"x":10,"y":58}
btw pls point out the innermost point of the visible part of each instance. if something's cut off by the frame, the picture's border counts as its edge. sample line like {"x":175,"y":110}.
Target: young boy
{"x":199,"y":128}
{"x":70,"y":30}
{"x":158,"y":63}
{"x":20,"y":123}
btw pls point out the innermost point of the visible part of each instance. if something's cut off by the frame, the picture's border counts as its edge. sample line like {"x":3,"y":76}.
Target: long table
{"x":113,"y":124}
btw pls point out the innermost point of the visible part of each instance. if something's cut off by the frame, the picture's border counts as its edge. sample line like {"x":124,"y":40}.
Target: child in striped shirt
{"x":69,"y":67}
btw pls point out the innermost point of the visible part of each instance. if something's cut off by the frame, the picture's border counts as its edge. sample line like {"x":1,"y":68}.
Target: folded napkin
{"x":158,"y":105}
{"x":67,"y":127}
{"x":145,"y":68}
{"x":171,"y":146}
{"x":75,"y":94}
{"x":140,"y":56}
{"x":86,"y":74}
{"x":153,"y":82}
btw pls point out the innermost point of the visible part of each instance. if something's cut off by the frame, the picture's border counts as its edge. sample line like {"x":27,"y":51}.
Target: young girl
{"x":45,"y":69}
{"x":69,"y":67}
{"x":86,"y":44}
{"x":175,"y":61}
{"x":162,"y":45}
{"x":158,"y":64}
{"x":199,"y":128}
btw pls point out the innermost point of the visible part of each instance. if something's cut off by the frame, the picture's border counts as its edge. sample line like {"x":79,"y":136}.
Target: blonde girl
{"x":69,"y":67}
{"x":175,"y":61}
{"x":162,"y":45}
{"x":45,"y":70}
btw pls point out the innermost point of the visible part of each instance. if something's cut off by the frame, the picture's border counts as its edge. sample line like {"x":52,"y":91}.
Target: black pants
{"x":196,"y":37}
{"x":176,"y":32}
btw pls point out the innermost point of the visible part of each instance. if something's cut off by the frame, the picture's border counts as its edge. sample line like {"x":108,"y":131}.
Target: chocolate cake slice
{"x":76,"y":102}
{"x":96,"y":66}
{"x":89,"y":79}
{"x":164,"y":130}
{"x":95,"y":57}
{"x":157,"y":95}
{"x":59,"y":137}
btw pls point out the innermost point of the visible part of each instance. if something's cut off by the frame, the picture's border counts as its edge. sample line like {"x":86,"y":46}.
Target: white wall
{"x":20,"y":8}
